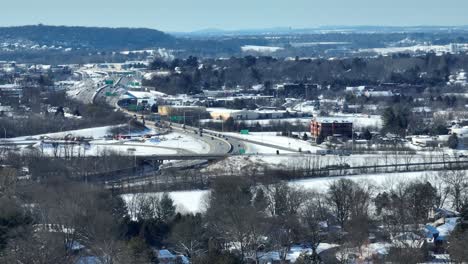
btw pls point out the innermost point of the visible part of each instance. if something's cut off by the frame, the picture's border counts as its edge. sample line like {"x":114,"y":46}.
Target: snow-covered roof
{"x":165,"y":254}
{"x":224,"y":110}
{"x":331,"y":120}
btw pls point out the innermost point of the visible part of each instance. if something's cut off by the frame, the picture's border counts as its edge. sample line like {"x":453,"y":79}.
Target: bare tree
{"x":456,"y":182}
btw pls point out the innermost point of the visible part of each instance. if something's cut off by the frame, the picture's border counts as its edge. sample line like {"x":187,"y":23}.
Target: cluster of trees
{"x":53,"y":218}
{"x":244,"y":220}
{"x":249,"y":70}
{"x":89,"y":37}
{"x":39,"y":120}
{"x":397,"y":119}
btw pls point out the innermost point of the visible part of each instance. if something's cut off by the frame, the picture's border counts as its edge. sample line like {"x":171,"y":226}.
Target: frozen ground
{"x":95,"y":132}
{"x":97,"y":149}
{"x":438,"y":49}
{"x":251,"y":148}
{"x":358,"y":120}
{"x":195,"y":201}
{"x":263,"y":49}
{"x":184,"y":141}
{"x":186,"y":201}
{"x":303,"y":161}
{"x":273,"y":139}
{"x":171,"y":143}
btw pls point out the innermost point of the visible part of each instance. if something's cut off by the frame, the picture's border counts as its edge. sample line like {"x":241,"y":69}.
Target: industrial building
{"x":180,"y":110}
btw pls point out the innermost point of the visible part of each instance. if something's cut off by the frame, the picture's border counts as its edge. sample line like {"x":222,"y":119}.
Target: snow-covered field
{"x":195,"y":201}
{"x":302,"y":161}
{"x":183,"y":141}
{"x":263,"y":49}
{"x":95,"y":132}
{"x":185,"y":201}
{"x":165,"y":145}
{"x":379,"y":180}
{"x":272,"y":139}
{"x":99,"y":149}
{"x":251,"y":148}
{"x":438,"y":49}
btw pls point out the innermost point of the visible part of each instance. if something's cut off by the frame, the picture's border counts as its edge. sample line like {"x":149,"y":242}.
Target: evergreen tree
{"x":167,"y":208}
{"x":453,"y":141}
{"x":367,"y":135}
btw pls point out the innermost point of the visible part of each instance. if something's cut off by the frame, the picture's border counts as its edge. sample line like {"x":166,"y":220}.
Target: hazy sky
{"x":189,"y":15}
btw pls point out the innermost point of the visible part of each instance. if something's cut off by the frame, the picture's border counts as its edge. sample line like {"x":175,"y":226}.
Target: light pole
{"x":4,"y":130}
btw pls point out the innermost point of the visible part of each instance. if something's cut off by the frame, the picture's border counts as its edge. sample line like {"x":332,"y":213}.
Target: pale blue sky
{"x":189,"y":15}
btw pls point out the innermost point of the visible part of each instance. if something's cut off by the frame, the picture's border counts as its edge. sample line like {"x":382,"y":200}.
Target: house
{"x":331,"y":128}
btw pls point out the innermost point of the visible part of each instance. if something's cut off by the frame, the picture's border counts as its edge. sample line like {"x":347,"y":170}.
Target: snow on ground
{"x":98,"y":149}
{"x":94,"y":132}
{"x":173,"y":140}
{"x":194,"y":201}
{"x":297,"y":250}
{"x":366,"y":252}
{"x":438,"y":49}
{"x":304,"y":161}
{"x":251,"y":148}
{"x":265,"y":49}
{"x":185,"y":201}
{"x":272,"y":139}
{"x":358,"y":120}
{"x":184,"y":141}
{"x":380,"y":179}
{"x":294,"y":253}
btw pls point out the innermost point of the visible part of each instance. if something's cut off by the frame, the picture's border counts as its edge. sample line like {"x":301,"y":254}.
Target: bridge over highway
{"x":183,"y":157}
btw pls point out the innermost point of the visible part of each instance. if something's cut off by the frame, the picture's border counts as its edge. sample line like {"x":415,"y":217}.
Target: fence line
{"x":158,"y":183}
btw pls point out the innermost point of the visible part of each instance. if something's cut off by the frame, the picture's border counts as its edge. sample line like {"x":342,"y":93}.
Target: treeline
{"x":39,"y":120}
{"x":245,"y":222}
{"x":89,"y":37}
{"x":430,"y":70}
{"x":54,"y":218}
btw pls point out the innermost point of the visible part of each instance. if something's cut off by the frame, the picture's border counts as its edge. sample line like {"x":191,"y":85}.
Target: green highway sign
{"x":244,"y":131}
{"x":176,"y":118}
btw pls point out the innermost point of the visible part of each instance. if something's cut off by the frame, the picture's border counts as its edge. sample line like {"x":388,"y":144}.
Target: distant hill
{"x":323,"y":29}
{"x":88,"y":37}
